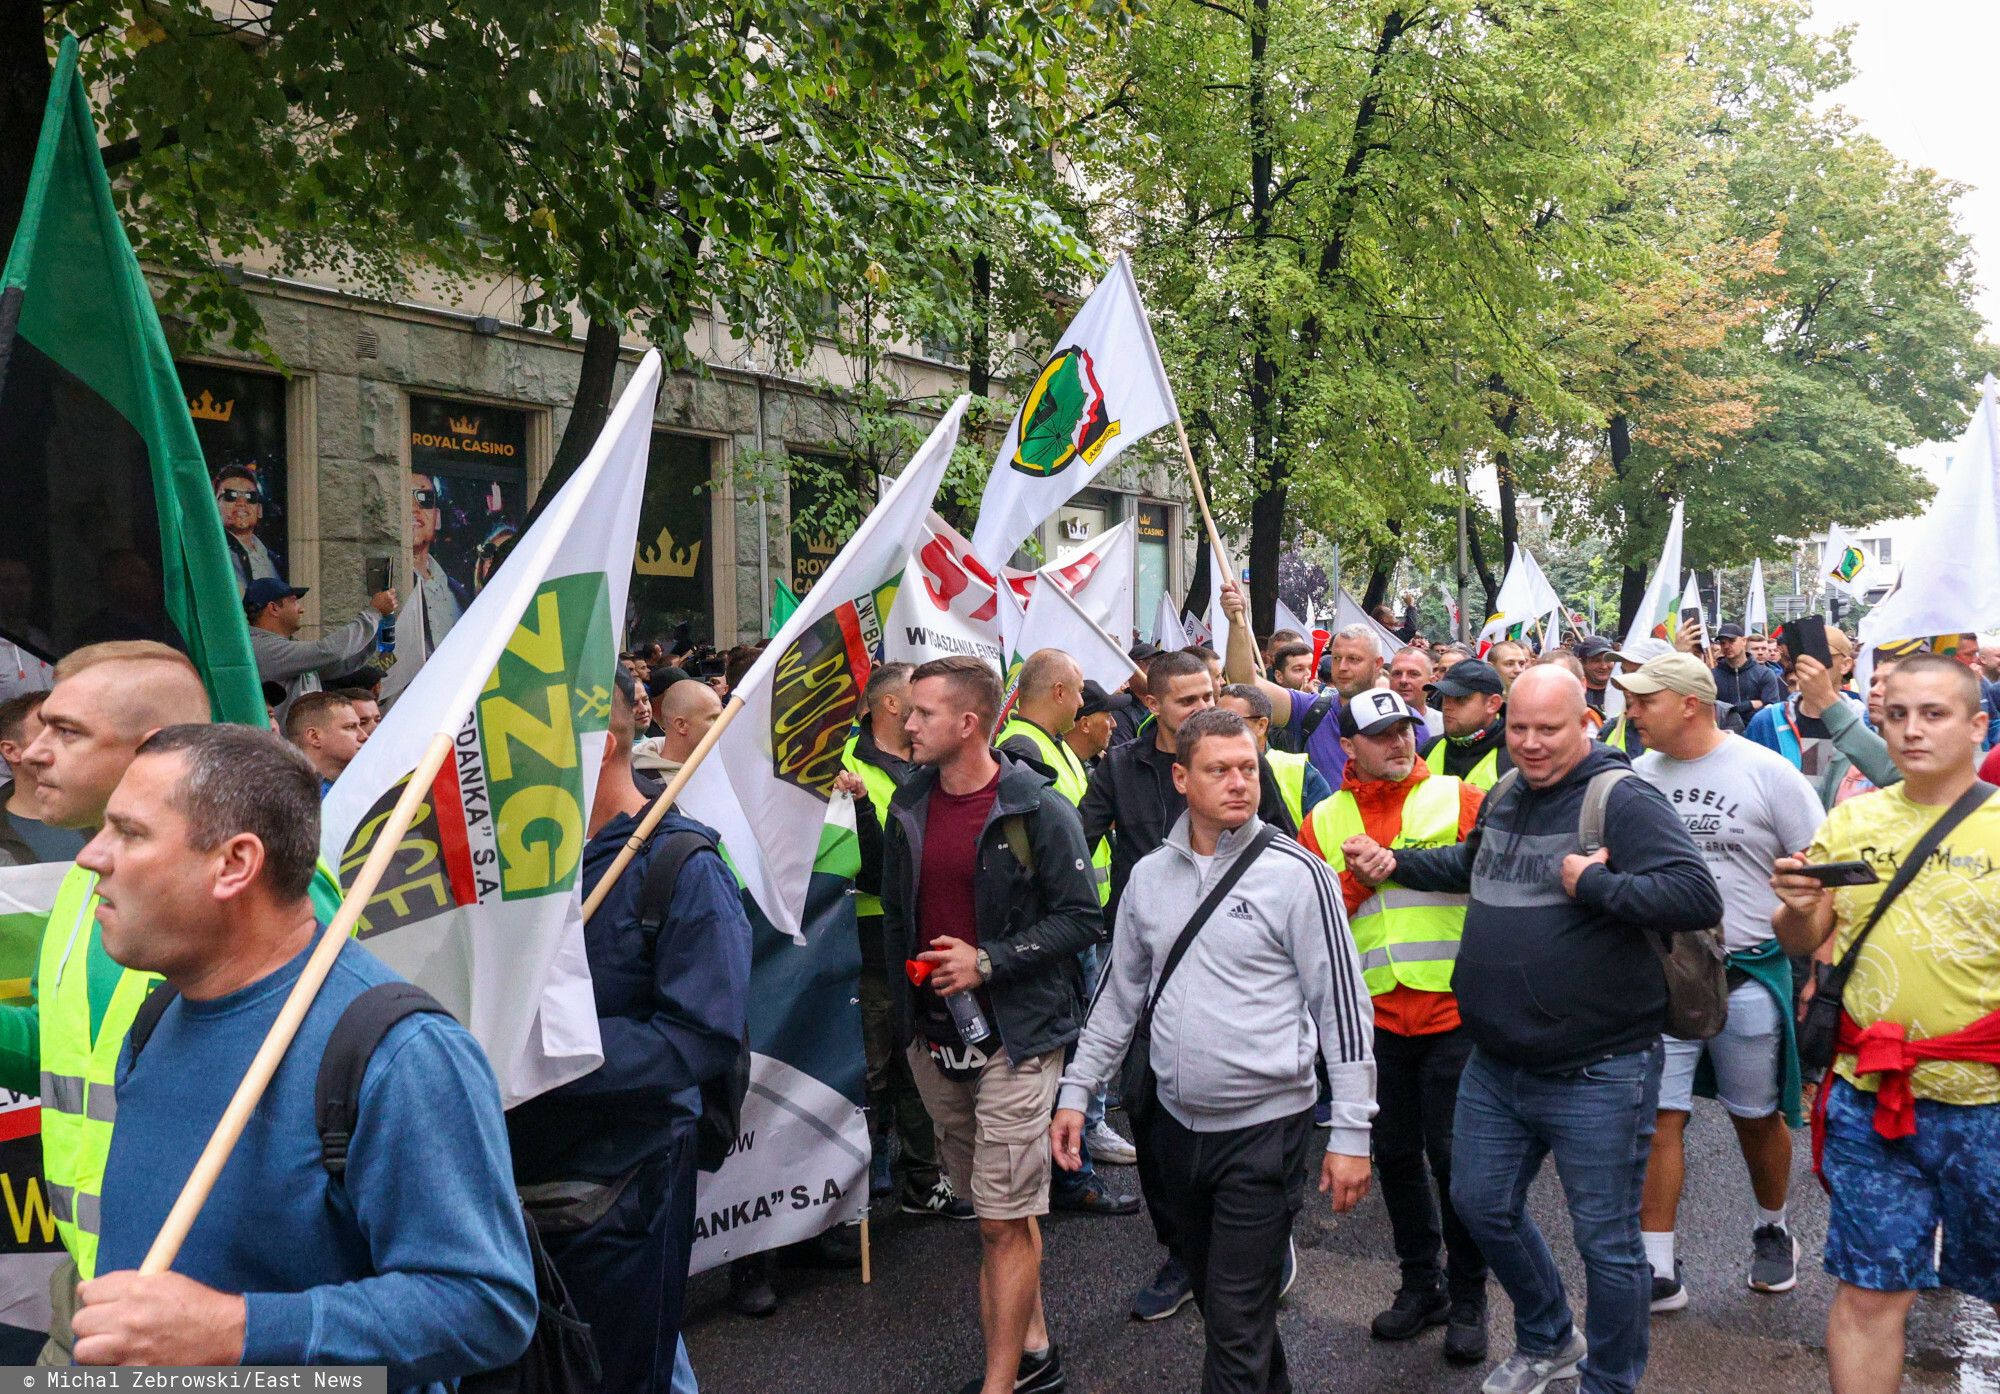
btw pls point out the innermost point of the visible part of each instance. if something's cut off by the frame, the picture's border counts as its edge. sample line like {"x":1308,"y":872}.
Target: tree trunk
{"x":979,"y":351}
{"x":1487,"y":583}
{"x":1267,"y":518}
{"x":1382,"y":569}
{"x":1632,"y":577}
{"x":1503,"y":467}
{"x":590,"y":409}
{"x":24,"y":91}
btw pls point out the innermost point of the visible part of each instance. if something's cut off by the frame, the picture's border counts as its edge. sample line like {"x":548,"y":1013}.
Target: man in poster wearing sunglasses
{"x":436,"y":599}
{"x":239,"y":494}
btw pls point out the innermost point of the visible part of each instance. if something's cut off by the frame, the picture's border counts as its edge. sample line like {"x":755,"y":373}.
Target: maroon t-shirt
{"x":944,"y":886}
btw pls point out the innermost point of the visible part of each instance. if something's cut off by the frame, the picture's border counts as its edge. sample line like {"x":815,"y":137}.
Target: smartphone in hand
{"x":1834,"y":874}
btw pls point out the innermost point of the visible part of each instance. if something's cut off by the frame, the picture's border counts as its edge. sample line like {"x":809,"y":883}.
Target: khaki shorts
{"x":993,"y":1131}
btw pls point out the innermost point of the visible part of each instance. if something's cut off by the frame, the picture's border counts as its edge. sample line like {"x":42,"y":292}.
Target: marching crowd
{"x":1419,"y":923}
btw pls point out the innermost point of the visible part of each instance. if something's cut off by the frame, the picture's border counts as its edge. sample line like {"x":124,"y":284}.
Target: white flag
{"x":1196,"y":630}
{"x":1099,"y":579}
{"x":1217,"y":619}
{"x":1054,"y":620}
{"x":1167,"y":630}
{"x":1526,"y":599}
{"x":1755,"y":617}
{"x":1843,"y":566}
{"x":1283,"y":618}
{"x":1951,"y":582}
{"x":482,"y":905}
{"x":1102,"y":389}
{"x":946,"y":606}
{"x":1691,"y":603}
{"x":1347,"y":610}
{"x":1659,"y":615}
{"x":764,"y":787}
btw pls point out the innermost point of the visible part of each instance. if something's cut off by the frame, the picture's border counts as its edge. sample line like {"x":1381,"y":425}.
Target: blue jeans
{"x":1071,"y":1183}
{"x":1598,"y":1123}
{"x":683,"y":1371}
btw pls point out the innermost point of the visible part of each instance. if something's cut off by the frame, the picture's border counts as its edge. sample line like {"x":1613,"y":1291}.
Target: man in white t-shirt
{"x":1744,"y":806}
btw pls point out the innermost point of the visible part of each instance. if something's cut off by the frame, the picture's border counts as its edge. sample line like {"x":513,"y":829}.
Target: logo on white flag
{"x":1064,"y":416}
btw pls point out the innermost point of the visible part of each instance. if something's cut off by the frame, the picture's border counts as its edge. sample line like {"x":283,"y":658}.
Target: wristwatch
{"x":985,"y":966}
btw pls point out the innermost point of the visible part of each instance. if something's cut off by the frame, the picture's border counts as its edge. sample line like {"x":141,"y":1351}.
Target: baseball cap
{"x":1670,"y":672}
{"x":1729,"y":631}
{"x":266,"y":589}
{"x":1142,"y":651}
{"x":1642,"y":649}
{"x":1465,"y":677}
{"x":1096,"y":699}
{"x":1372,"y":712}
{"x":1591,"y":645}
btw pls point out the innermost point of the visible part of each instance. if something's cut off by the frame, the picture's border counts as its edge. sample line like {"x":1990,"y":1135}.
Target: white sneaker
{"x":1108,"y":1147}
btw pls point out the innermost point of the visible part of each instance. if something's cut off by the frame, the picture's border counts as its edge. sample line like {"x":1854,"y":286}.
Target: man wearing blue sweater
{"x":417,"y":1258}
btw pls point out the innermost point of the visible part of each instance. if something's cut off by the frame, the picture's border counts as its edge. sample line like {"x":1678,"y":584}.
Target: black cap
{"x":1465,"y":677}
{"x":264,"y":590}
{"x":1096,"y":699}
{"x":1730,"y":631}
{"x":1142,"y":651}
{"x":1594,"y":646}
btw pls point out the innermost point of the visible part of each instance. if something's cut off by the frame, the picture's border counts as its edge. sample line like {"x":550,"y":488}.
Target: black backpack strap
{"x":663,"y":870}
{"x":337,"y":1093}
{"x":148,"y":1016}
{"x":1315,"y":714}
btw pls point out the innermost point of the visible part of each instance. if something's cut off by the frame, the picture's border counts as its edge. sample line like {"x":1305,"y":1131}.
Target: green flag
{"x":782,"y":605}
{"x":111,"y":529}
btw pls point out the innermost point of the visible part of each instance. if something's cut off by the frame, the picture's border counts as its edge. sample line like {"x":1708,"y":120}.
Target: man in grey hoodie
{"x":1270,"y":980}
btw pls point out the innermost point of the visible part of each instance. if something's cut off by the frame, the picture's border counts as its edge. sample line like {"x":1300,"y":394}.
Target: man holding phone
{"x":1908,"y":1144}
{"x":1743,"y":807}
{"x":1743,"y":684}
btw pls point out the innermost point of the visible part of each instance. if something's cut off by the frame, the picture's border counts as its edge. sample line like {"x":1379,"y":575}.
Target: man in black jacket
{"x":1565,"y":1002}
{"x":987,"y":896}
{"x":1132,"y":797}
{"x":1742,"y":683}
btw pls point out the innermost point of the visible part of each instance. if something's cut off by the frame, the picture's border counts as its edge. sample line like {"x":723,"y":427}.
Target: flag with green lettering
{"x":29,"y":1247}
{"x":482,"y":905}
{"x":111,"y":529}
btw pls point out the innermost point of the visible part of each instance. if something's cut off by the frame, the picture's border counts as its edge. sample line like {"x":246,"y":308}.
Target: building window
{"x":1154,"y":565}
{"x":239,"y":418}
{"x":468,"y":489}
{"x":672,"y":594}
{"x":830,"y":494}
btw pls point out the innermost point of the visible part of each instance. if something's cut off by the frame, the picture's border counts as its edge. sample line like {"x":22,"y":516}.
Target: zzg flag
{"x":1842,"y":564}
{"x":1101,"y":389}
{"x":481,"y":905}
{"x":765,"y":785}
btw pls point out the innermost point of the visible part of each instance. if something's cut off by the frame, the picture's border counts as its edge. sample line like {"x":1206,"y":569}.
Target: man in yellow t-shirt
{"x":1932,"y":969}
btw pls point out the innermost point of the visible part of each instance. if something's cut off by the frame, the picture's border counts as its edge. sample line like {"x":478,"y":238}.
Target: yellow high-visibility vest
{"x":1404,"y":936}
{"x":881,"y":788}
{"x":1071,"y":782}
{"x":1482,"y":776}
{"x":1290,"y":772}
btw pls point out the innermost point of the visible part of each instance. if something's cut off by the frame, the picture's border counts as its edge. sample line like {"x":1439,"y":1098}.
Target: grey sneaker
{"x":1108,"y":1147}
{"x":1521,"y":1373}
{"x":1774,"y":1259}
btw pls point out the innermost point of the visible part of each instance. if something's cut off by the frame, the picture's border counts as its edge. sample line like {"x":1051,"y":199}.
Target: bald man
{"x":64,"y":1044}
{"x":1564,"y":1000}
{"x":683,"y":711}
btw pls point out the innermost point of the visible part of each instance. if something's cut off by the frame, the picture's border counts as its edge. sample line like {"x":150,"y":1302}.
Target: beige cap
{"x":1670,"y":672}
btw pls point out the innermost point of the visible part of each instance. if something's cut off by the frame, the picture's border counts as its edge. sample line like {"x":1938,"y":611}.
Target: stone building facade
{"x":383,"y":408}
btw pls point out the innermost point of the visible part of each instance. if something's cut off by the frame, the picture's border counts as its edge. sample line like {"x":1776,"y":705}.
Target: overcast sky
{"x":1924,"y":85}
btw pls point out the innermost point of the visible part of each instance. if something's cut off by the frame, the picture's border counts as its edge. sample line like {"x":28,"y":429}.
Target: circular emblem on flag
{"x":1063,"y":417}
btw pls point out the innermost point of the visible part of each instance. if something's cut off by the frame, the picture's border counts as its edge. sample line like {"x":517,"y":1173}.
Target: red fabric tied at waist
{"x":1885,"y":1050}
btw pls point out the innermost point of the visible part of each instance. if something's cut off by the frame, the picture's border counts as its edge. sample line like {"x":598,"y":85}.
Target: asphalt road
{"x":914,"y":1329}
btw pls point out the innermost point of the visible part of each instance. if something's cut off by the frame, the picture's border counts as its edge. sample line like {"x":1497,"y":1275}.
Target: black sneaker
{"x":1465,"y":1332}
{"x":1291,"y":1274}
{"x":940,"y":1200}
{"x":1410,"y":1314}
{"x":1669,"y":1294}
{"x":1038,"y":1374}
{"x":750,"y":1291}
{"x":1774,"y":1259}
{"x":1092,"y":1198}
{"x":1169,"y":1291}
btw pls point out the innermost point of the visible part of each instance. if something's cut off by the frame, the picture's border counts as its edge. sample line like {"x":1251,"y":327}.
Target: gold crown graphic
{"x":661,"y":557}
{"x":206,"y":408}
{"x":464,"y":425}
{"x":823,"y":544}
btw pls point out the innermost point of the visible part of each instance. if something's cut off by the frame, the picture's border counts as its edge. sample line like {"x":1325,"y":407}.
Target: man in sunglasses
{"x":240,"y":497}
{"x":435,"y":600}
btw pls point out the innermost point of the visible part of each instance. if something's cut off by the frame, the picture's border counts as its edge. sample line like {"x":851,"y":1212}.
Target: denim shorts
{"x":1890,"y":1198}
{"x":1744,"y":1055}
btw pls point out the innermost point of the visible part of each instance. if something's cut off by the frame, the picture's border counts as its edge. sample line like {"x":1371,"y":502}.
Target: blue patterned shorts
{"x":1889,"y":1198}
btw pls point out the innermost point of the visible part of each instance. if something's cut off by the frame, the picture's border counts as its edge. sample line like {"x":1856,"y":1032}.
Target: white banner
{"x":765,"y":785}
{"x":1167,"y":630}
{"x":945,"y":605}
{"x":1755,"y":616}
{"x":481,"y":906}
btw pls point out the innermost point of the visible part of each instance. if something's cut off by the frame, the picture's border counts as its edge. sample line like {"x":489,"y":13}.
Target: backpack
{"x":722,"y":1098}
{"x":1281,"y":737}
{"x":561,"y":1358}
{"x":1692,"y":962}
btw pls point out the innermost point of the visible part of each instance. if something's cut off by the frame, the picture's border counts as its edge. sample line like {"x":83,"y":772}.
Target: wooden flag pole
{"x":659,"y":809}
{"x":1201,"y":495}
{"x":208,"y":1167}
